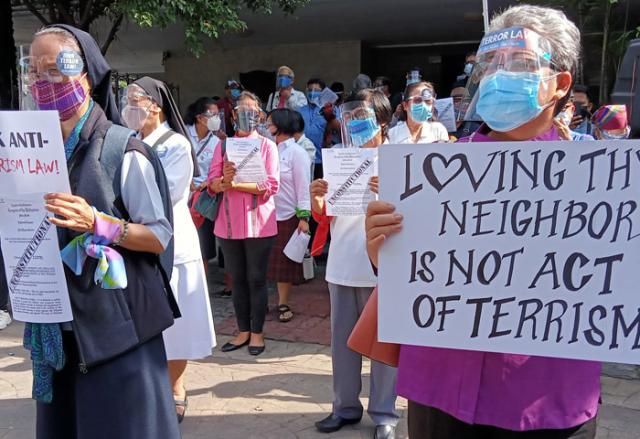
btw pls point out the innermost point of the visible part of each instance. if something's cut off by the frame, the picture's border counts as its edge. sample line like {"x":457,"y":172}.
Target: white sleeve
{"x":141,"y":196}
{"x":178,"y":166}
{"x":301,"y":178}
{"x":443,"y":134}
{"x":297,"y":100}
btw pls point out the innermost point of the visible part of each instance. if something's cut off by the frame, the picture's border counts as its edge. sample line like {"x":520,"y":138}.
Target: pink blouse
{"x":243,"y":215}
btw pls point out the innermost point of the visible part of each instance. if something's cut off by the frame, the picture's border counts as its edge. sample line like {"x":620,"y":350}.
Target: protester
{"x":303,"y":140}
{"x":103,"y":375}
{"x":246,"y":227}
{"x":464,"y":127}
{"x":232,"y":92}
{"x":611,"y":123}
{"x":414,"y":75}
{"x":383,"y":84}
{"x":338,"y":89}
{"x":562,"y":122}
{"x":420,"y":125}
{"x":314,"y":122}
{"x":285,"y":95}
{"x":292,"y":206}
{"x":457,"y":393}
{"x":581,"y":120}
{"x":469,"y":63}
{"x":351,"y":281}
{"x":361,"y":82}
{"x":5,"y":317}
{"x":203,"y":124}
{"x":151,"y":110}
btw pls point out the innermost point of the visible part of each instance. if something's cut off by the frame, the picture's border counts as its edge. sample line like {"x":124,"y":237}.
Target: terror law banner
{"x":527,"y":248}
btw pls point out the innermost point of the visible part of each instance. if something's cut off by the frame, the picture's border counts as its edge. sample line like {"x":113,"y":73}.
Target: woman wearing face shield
{"x":246,"y":227}
{"x":419,"y":125}
{"x":468,"y":394}
{"x":351,"y":279}
{"x":151,"y":110}
{"x":103,"y":375}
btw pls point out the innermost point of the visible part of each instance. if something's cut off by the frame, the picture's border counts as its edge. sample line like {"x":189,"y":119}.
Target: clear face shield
{"x":51,"y":78}
{"x":247,"y":116}
{"x":358,"y":123}
{"x":135,"y":106}
{"x":510,"y":80}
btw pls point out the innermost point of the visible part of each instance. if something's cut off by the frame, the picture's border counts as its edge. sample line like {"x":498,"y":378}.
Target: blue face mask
{"x":468,"y":68}
{"x":283,"y":81}
{"x":421,"y":112}
{"x":235,"y":93}
{"x":362,"y":131}
{"x":508,"y":100}
{"x":313,"y":96}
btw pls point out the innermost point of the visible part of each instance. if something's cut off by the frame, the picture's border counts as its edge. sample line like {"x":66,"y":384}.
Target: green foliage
{"x":200,"y":18}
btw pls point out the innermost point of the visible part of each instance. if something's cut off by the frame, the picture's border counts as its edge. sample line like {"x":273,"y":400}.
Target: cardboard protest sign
{"x":528,"y":248}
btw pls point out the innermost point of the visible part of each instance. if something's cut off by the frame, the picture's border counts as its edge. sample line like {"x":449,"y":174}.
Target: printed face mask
{"x":64,"y":97}
{"x":508,"y":100}
{"x":134,"y":117}
{"x":213,"y":123}
{"x":362,"y":131}
{"x":421,"y":112}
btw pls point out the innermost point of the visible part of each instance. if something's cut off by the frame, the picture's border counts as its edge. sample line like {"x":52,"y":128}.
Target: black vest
{"x":108,"y":323}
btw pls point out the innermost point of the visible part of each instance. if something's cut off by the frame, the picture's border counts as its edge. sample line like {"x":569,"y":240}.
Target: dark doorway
{"x":439,"y":64}
{"x":259,"y":82}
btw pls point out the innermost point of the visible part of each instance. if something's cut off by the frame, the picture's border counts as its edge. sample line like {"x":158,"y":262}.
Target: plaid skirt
{"x":281,"y":268}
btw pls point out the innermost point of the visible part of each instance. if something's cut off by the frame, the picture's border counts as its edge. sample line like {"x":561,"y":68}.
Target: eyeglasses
{"x":209,"y":114}
{"x":425,"y":97}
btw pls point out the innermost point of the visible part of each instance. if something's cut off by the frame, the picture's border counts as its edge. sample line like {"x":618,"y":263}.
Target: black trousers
{"x":4,"y":287}
{"x":430,"y":423}
{"x":247,"y":260}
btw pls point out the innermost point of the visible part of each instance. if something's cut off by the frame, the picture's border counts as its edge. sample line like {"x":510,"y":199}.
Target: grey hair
{"x":63,"y":34}
{"x":552,"y":24}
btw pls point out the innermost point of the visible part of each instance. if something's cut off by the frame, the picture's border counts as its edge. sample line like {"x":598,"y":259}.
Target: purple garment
{"x":514,"y":392}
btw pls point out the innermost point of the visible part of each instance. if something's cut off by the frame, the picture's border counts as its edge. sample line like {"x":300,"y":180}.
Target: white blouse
{"x":295,"y":177}
{"x":431,"y":132}
{"x":204,"y":149}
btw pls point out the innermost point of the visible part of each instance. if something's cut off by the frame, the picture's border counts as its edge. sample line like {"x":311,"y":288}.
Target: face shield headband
{"x":513,"y":65}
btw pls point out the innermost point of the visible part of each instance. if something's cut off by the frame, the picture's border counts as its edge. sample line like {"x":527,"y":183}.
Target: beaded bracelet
{"x":123,"y":233}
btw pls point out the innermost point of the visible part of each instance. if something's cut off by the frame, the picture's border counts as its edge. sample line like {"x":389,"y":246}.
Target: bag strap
{"x":114,"y":147}
{"x":163,"y":138}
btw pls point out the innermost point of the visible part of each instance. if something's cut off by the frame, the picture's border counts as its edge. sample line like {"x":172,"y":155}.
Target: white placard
{"x":528,"y":248}
{"x":32,"y":162}
{"x":245,"y":153}
{"x":31,"y":153}
{"x":446,"y":114}
{"x":348,"y":171}
{"x":297,"y":246}
{"x":327,"y":96}
{"x":37,"y":285}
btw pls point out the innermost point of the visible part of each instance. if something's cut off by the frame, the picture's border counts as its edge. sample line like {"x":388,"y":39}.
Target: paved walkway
{"x":281,"y":393}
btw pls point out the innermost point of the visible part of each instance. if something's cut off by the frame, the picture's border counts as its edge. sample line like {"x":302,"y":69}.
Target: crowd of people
{"x":118,"y":370}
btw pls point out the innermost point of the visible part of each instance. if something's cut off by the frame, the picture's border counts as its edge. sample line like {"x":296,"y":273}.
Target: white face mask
{"x":213,"y":123}
{"x":134,"y":117}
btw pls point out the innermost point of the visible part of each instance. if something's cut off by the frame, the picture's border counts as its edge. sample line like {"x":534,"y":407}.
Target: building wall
{"x":207,"y":75}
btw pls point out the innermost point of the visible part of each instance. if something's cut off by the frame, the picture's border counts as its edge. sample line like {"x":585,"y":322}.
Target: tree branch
{"x":115,"y":27}
{"x":36,"y":13}
{"x":63,"y":12}
{"x":98,"y":11}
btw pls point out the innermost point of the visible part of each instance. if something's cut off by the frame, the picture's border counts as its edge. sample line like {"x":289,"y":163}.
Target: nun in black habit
{"x":104,"y":374}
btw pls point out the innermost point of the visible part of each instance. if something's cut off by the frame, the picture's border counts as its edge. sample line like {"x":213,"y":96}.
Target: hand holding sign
{"x":381,"y":222}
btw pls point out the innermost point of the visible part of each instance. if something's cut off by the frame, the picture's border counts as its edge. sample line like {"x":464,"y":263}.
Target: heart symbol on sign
{"x":430,"y":174}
